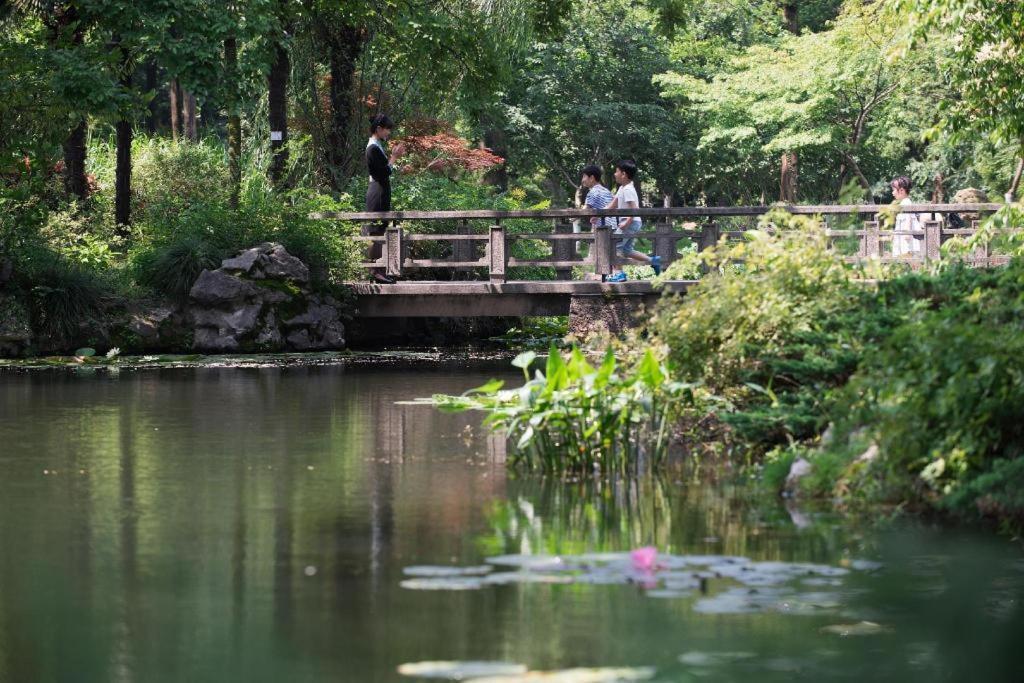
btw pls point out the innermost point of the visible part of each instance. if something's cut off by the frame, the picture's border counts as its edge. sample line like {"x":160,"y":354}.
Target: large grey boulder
{"x":281,"y":265}
{"x":245,"y":261}
{"x":219,"y":288}
{"x":260,"y":300}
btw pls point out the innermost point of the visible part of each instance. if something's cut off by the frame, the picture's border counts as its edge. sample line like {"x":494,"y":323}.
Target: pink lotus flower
{"x":644,"y":559}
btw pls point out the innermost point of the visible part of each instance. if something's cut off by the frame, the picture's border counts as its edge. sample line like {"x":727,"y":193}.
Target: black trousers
{"x":378,"y":198}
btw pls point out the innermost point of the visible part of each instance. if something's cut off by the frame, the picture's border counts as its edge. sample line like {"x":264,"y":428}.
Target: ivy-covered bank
{"x":896,"y":389}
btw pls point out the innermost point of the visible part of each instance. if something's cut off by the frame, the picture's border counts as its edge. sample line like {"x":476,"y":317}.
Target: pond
{"x":303,"y":524}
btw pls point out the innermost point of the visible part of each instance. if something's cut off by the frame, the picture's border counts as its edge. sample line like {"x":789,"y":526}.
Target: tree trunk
{"x":74,"y":145}
{"x":344,"y":46}
{"x":234,"y":122}
{"x":494,"y":140}
{"x":789,"y":11}
{"x":123,"y":171}
{"x":151,"y":85}
{"x":788,"y":177}
{"x":1011,"y":194}
{"x":74,"y":161}
{"x":280,"y":71}
{"x":191,"y":126}
{"x":175,"y":96}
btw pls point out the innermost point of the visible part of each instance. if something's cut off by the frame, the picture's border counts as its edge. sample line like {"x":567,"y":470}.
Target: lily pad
{"x":601,"y":675}
{"x":459,"y":671}
{"x":444,"y":583}
{"x":529,"y":562}
{"x":427,"y":571}
{"x":696,"y":658}
{"x":669,"y":593}
{"x":862,"y":628}
{"x":85,"y":352}
{"x":506,"y":578}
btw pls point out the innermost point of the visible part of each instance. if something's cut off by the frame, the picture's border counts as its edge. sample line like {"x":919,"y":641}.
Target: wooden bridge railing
{"x":703,"y":225}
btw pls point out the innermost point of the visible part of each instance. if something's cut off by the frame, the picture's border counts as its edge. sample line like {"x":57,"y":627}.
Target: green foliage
{"x":577,"y":418}
{"x":593,"y":90}
{"x":790,"y":284}
{"x":536,"y":332}
{"x":816,"y":94}
{"x":916,"y":378}
{"x":173,"y":268}
{"x":939,"y":398}
{"x":63,"y":296}
{"x":985,"y":63}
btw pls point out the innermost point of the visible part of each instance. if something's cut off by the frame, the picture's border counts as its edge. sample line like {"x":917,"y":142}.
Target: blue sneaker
{"x":656,"y":264}
{"x":617,"y":277}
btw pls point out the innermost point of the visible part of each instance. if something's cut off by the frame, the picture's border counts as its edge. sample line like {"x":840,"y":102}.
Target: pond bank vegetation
{"x":898,"y":390}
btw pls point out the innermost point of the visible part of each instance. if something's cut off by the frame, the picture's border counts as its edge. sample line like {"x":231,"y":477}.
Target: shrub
{"x":940,"y":398}
{"x":771,"y":328}
{"x":167,"y":177}
{"x":63,"y":296}
{"x":173,"y":268}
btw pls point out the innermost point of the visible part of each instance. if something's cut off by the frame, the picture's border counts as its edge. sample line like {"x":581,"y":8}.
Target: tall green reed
{"x":574,"y":417}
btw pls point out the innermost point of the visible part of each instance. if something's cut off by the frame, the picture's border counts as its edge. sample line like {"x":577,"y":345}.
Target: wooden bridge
{"x":510,"y":263}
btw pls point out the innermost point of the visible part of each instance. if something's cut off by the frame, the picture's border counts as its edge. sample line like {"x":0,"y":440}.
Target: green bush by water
{"x":903,"y":393}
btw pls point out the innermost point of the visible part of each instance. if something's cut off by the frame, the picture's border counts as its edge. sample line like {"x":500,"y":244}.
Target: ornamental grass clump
{"x":577,"y":418}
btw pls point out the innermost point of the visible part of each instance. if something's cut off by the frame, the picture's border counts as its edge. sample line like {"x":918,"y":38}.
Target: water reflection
{"x":557,"y":517}
{"x":217,"y":524}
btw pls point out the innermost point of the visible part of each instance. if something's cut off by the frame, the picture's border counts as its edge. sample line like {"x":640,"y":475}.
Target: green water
{"x":254,"y":524}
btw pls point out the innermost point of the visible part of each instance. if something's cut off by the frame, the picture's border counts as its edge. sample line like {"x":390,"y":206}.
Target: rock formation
{"x":260,"y":300}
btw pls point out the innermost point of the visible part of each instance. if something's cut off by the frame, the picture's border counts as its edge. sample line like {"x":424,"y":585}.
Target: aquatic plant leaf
{"x":606,"y":370}
{"x":555,"y":370}
{"x":429,"y":571}
{"x":600,"y":675}
{"x":526,"y":576}
{"x":449,"y":583}
{"x":85,"y":352}
{"x":650,"y":371}
{"x":697,"y":658}
{"x":535,"y":562}
{"x":863,"y":628}
{"x":489,"y":388}
{"x":669,"y":593}
{"x":524,"y":360}
{"x":458,"y":671}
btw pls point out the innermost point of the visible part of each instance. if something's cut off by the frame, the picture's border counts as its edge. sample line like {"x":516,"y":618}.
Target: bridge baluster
{"x":563,"y":250}
{"x":497,"y":255}
{"x":709,"y":235}
{"x":393,"y":251}
{"x":603,"y":253}
{"x":932,"y":239}
{"x":983,"y":251}
{"x":872,"y":240}
{"x":464,"y":250}
{"x":665,"y":241}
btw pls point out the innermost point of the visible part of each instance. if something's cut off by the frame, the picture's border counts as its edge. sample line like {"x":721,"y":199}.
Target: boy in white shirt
{"x":626,"y":198}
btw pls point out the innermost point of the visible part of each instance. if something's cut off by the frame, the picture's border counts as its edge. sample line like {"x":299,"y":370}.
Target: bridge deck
{"x":472,"y":299}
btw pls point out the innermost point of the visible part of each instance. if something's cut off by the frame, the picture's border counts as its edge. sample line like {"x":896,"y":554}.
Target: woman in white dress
{"x":905,"y":245}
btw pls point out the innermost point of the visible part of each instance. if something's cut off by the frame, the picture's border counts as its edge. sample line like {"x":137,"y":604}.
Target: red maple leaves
{"x":432,"y":144}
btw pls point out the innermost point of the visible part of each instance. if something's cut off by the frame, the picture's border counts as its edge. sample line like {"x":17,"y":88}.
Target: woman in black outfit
{"x":378,"y":192}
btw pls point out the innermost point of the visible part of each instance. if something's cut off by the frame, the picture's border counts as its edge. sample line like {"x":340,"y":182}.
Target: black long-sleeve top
{"x":377,"y":163}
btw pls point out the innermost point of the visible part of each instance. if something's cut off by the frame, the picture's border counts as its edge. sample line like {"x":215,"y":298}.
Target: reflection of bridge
{"x":509,"y":263}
